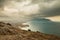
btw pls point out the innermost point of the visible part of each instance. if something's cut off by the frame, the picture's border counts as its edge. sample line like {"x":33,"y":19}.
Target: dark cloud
{"x":51,"y":12}
{"x":47,"y":0}
{"x":39,"y":1}
{"x":2,"y":3}
{"x":49,"y":9}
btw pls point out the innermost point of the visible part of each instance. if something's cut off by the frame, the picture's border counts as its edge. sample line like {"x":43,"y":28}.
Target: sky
{"x":24,"y":10}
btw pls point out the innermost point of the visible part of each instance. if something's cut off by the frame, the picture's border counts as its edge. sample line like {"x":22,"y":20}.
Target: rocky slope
{"x":8,"y":32}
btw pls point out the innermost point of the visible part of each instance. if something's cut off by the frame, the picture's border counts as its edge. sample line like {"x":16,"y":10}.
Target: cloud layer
{"x":28,"y":9}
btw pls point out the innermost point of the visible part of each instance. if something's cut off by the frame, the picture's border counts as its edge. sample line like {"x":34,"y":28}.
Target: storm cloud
{"x":49,"y":8}
{"x":51,"y":12}
{"x":28,"y":9}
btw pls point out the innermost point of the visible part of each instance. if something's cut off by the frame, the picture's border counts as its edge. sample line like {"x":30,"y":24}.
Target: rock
{"x":29,"y":30}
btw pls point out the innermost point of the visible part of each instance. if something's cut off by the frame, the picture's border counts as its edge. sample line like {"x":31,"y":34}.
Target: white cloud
{"x":19,"y":10}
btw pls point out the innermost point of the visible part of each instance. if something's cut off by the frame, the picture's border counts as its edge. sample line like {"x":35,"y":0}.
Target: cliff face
{"x":8,"y":32}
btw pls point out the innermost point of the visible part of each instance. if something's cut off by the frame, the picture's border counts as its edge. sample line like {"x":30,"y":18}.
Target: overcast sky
{"x":28,"y":9}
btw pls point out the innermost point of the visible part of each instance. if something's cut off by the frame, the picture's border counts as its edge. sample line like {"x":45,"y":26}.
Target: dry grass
{"x":8,"y":32}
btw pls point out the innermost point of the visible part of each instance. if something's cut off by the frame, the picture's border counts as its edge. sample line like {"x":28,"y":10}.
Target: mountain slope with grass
{"x":9,"y":32}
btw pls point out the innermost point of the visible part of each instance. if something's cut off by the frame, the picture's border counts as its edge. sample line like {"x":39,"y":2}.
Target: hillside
{"x":8,"y":32}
